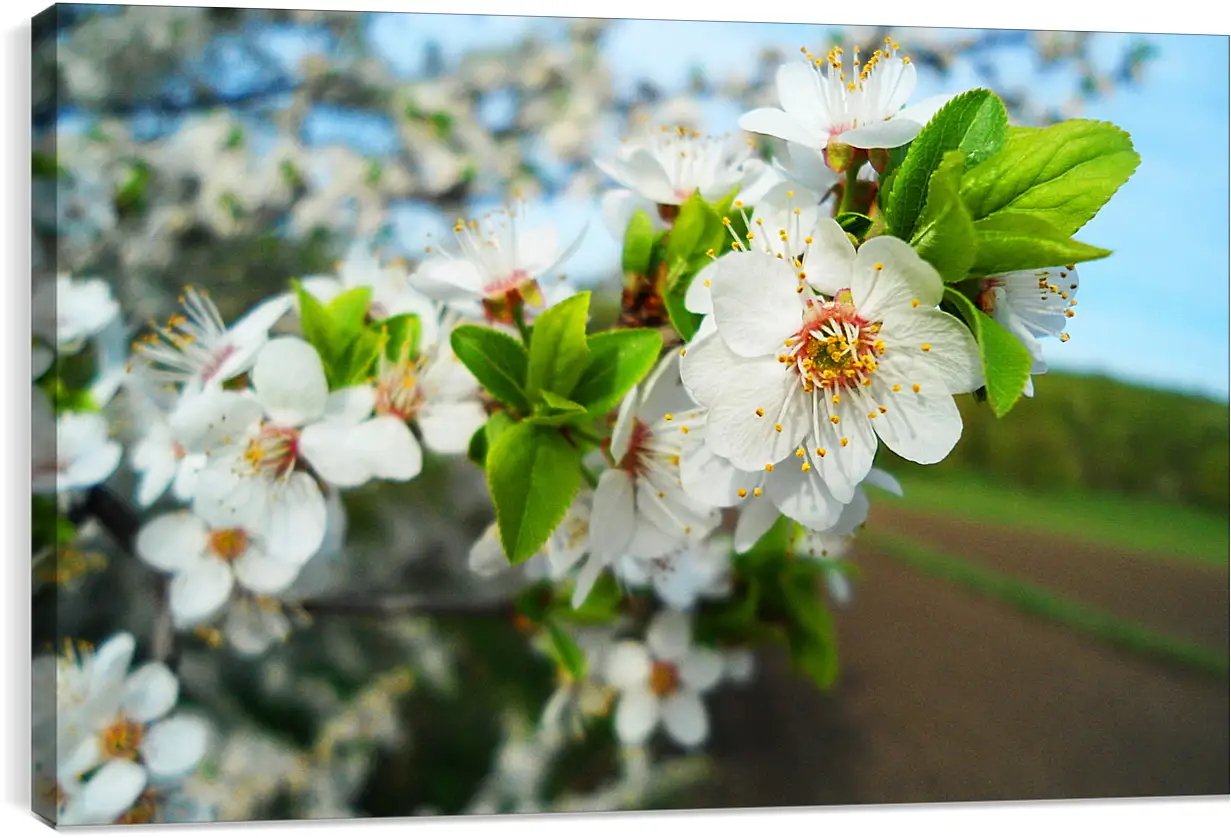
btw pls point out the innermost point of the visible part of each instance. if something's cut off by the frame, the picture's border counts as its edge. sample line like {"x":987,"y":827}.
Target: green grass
{"x":1130,"y":523}
{"x":1041,"y":602}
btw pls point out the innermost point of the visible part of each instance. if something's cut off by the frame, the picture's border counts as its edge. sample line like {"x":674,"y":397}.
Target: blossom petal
{"x":290,"y":381}
{"x":756,"y":517}
{"x":387,"y":448}
{"x":329,"y":449}
{"x":149,"y":693}
{"x":294,"y":520}
{"x":448,"y":280}
{"x":830,"y":258}
{"x":849,"y":445}
{"x":612,"y":520}
{"x":620,"y":205}
{"x":174,"y":746}
{"x":699,"y":298}
{"x":778,"y":123}
{"x":685,"y":719}
{"x":199,"y":591}
{"x":902,"y":280}
{"x":803,"y":496}
{"x":264,"y":575}
{"x":921,"y":427}
{"x":952,"y":353}
{"x":641,"y":172}
{"x":756,"y":303}
{"x":627,"y":665}
{"x":349,"y":406}
{"x":209,"y":419}
{"x":701,"y":669}
{"x":636,"y":716}
{"x":171,"y":541}
{"x":885,"y":481}
{"x":889,"y":133}
{"x":108,"y":794}
{"x":486,"y":557}
{"x":669,"y":635}
{"x":448,"y":426}
{"x":626,"y":420}
{"x":712,"y":479}
{"x":586,"y":577}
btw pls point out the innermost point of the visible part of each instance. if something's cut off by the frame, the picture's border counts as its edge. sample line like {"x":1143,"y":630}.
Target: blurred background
{"x":1045,"y":614}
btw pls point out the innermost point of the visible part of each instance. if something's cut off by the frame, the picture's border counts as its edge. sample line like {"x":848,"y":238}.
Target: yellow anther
{"x":769,"y":466}
{"x":915,"y":387}
{"x":844,"y":441}
{"x":743,"y":493}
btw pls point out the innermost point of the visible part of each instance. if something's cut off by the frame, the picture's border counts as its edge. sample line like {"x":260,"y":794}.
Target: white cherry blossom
{"x":206,"y":564}
{"x":1032,"y":305}
{"x":661,"y":682}
{"x":804,"y":371}
{"x":640,"y":506}
{"x":260,"y":442}
{"x":116,"y":733}
{"x":859,"y":105}
{"x":501,"y":264}
{"x":70,"y":452}
{"x":196,"y":349}
{"x":684,"y":576}
{"x":70,"y":311}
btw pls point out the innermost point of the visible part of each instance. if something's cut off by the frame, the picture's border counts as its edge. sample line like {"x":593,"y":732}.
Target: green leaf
{"x":974,"y":122}
{"x":476,"y":449}
{"x":553,"y":411}
{"x":602,"y":603}
{"x":356,"y":363}
{"x":810,"y":630}
{"x":688,"y":233}
{"x":486,"y":436}
{"x":1012,"y":241}
{"x":45,"y":166}
{"x":498,"y":361}
{"x":685,"y":322}
{"x":855,"y":223}
{"x":945,"y":236}
{"x":348,"y":311}
{"x":404,"y":332}
{"x":315,"y":323}
{"x":558,"y":353}
{"x":1006,"y":360}
{"x":533,"y":474}
{"x":638,"y":244}
{"x":618,"y":359}
{"x":1062,"y":174}
{"x":566,"y":651}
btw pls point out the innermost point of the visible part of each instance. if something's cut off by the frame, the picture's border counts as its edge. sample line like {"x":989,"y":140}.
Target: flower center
{"x":190,"y":344}
{"x":228,"y":545}
{"x":664,"y":679}
{"x":637,"y":444}
{"x":835,"y":348}
{"x":122,"y":739}
{"x":397,"y":389}
{"x":500,"y":297}
{"x":273,"y":452}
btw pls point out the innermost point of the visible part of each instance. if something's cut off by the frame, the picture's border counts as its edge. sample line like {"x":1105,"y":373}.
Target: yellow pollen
{"x":897,"y":388}
{"x":927,"y":347}
{"x":844,"y":441}
{"x":778,"y":428}
{"x":837,"y":399}
{"x":915,"y":387}
{"x":668,"y":416}
{"x":743,"y":493}
{"x":756,"y":493}
{"x":878,"y":267}
{"x":769,"y":466}
{"x":805,"y":467}
{"x":820,"y":452}
{"x":760,"y":412}
{"x":683,"y":429}
{"x":833,"y":419}
{"x":883,"y":409}
{"x":1064,"y":337}
{"x":914,"y":303}
{"x":872,"y":415}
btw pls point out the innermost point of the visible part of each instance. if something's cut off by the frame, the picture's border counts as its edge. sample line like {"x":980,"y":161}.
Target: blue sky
{"x":1154,"y":312}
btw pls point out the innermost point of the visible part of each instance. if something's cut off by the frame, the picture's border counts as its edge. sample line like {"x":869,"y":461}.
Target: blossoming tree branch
{"x":792,"y":301}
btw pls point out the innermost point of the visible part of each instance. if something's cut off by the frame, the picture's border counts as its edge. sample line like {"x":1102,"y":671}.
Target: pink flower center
{"x":274,"y":451}
{"x":664,"y":679}
{"x":835,"y":348}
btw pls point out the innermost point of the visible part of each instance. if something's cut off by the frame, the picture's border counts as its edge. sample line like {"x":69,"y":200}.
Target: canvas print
{"x":443,"y":415}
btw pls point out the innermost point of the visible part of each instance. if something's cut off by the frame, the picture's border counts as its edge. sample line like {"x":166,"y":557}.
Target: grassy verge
{"x":1041,"y":602}
{"x":1129,"y":523}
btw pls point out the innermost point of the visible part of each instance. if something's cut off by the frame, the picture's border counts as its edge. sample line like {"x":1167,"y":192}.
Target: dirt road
{"x":948,"y":696}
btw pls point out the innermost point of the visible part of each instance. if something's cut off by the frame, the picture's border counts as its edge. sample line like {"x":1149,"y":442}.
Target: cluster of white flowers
{"x":109,"y":748}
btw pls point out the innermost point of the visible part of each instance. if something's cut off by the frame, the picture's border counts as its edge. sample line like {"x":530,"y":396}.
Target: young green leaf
{"x":1018,"y":241}
{"x":1006,"y":360}
{"x":404,"y":331}
{"x":638,"y":244}
{"x":810,"y":630}
{"x":855,"y":223}
{"x":316,"y":324}
{"x":498,"y":361}
{"x":685,"y":322}
{"x":348,"y":311}
{"x":618,"y":360}
{"x":566,"y":651}
{"x":355,"y":364}
{"x":558,"y":353}
{"x":533,"y":474}
{"x":554,"y":411}
{"x":945,"y":235}
{"x":974,"y":122}
{"x":1062,"y":174}
{"x":689,"y":232}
